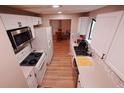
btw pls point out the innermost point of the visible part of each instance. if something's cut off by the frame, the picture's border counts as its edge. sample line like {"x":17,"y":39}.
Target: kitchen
{"x":28,"y":45}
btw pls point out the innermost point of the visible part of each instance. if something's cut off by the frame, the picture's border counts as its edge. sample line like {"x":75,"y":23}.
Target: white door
{"x":115,"y":57}
{"x":104,"y":31}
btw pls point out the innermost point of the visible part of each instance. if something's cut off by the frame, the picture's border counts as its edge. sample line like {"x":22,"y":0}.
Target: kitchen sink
{"x":79,"y":51}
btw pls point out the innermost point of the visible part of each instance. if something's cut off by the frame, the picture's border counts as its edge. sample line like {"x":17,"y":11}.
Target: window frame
{"x":89,"y":37}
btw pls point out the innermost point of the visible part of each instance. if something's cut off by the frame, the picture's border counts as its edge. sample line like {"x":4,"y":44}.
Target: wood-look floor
{"x":59,"y":73}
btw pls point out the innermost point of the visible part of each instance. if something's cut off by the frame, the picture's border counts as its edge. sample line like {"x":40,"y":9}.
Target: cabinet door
{"x":104,"y":31}
{"x":34,"y":21}
{"x":10,"y":21}
{"x":25,"y":20}
{"x":83,"y":25}
{"x":31,"y":80}
{"x":115,"y":57}
{"x":39,"y":20}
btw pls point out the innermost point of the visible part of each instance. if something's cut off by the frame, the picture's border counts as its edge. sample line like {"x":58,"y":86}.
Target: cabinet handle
{"x":35,"y":74}
{"x":30,"y":75}
{"x":103,"y":55}
{"x":20,"y":24}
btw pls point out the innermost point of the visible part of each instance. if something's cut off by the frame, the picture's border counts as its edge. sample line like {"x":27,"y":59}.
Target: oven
{"x":38,"y":61}
{"x":19,"y":37}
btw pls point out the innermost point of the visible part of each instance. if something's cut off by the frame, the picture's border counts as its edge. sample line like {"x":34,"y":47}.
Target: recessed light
{"x":55,"y":6}
{"x":59,"y":12}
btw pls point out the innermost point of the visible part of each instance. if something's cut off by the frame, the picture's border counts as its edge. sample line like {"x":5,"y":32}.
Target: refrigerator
{"x":43,"y":41}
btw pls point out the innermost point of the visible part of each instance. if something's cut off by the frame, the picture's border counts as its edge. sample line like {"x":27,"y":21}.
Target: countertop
{"x":92,"y":76}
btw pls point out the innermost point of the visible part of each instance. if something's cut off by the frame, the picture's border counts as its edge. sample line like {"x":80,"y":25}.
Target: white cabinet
{"x":32,"y":80}
{"x":10,"y":21}
{"x":104,"y":31}
{"x":25,"y":20}
{"x":36,"y":20}
{"x":83,"y":25}
{"x":15,"y":21}
{"x":115,"y":57}
{"x":78,"y":82}
{"x":39,"y":20}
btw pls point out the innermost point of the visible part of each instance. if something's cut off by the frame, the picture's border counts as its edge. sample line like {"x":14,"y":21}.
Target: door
{"x":104,"y":31}
{"x":115,"y":57}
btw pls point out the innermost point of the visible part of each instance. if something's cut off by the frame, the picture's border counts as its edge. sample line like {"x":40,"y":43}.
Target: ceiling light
{"x":59,"y":12}
{"x":55,"y":6}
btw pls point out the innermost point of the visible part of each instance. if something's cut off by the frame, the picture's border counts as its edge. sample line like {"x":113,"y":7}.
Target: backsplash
{"x":23,"y":53}
{"x":109,"y":72}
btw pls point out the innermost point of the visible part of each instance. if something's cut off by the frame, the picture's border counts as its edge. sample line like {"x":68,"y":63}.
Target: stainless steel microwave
{"x":19,"y":37}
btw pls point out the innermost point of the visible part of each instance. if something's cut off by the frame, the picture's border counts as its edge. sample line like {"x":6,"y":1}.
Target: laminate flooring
{"x":59,"y":73}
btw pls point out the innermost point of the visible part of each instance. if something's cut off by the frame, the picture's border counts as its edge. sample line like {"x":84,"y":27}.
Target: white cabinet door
{"x":10,"y":21}
{"x":83,"y":25}
{"x":115,"y":57}
{"x":39,"y":20}
{"x":31,"y":80}
{"x":104,"y":31}
{"x":25,"y":20}
{"x":34,"y":21}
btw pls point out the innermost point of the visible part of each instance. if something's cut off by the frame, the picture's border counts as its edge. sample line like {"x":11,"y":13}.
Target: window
{"x":91,"y":29}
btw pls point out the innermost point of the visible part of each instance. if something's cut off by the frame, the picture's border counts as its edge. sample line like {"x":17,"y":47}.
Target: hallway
{"x":59,"y":73}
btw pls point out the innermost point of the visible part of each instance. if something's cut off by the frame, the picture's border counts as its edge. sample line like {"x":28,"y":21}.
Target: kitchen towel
{"x":83,"y":61}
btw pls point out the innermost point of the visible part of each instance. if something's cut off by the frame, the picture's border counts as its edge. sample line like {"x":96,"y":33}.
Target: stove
{"x":31,"y":59}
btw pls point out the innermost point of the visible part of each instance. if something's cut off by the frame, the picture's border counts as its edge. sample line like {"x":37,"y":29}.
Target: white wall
{"x":74,"y":20}
{"x":10,"y":72}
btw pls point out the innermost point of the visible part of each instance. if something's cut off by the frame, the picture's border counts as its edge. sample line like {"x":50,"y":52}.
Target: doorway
{"x":61,"y":29}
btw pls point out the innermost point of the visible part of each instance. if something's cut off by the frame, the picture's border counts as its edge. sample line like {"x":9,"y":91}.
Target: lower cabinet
{"x":42,"y":72}
{"x":78,"y":84}
{"x":32,"y":80}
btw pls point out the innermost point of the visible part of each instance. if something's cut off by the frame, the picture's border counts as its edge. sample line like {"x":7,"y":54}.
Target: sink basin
{"x":79,"y":51}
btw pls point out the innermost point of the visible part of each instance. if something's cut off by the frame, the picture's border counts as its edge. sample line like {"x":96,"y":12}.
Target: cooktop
{"x":31,"y":59}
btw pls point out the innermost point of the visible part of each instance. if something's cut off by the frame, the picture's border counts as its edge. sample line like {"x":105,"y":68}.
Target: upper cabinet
{"x":84,"y":25}
{"x":104,"y":32}
{"x":12,"y":21}
{"x":36,"y":20}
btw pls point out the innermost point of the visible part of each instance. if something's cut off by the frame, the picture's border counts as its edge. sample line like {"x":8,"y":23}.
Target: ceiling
{"x":65,"y":9}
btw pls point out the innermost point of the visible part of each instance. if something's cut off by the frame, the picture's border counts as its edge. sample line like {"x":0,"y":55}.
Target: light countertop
{"x":92,"y":76}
